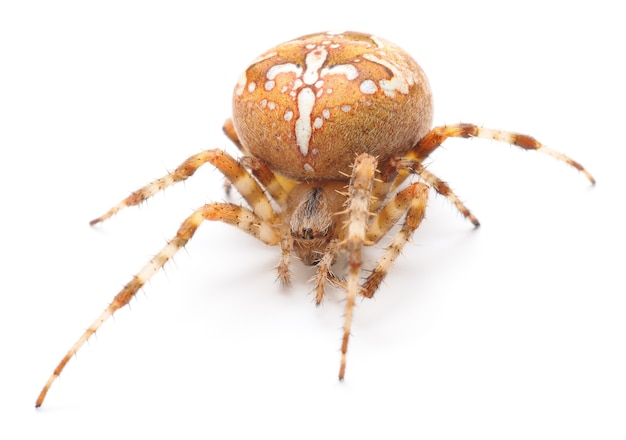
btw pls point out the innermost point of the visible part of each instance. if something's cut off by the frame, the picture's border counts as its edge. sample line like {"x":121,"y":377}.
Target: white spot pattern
{"x":348,"y":70}
{"x":314,"y":61}
{"x":283,"y":68}
{"x":312,"y":77}
{"x":368,"y":87}
{"x":399,"y":82}
{"x":306,"y":100}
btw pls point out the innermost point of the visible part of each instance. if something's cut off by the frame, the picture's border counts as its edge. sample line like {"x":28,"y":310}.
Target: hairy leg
{"x":439,"y":185}
{"x":241,"y":179}
{"x":286,"y":247}
{"x":278,"y":187}
{"x":360,"y":191}
{"x":412,"y":201}
{"x":438,"y":135}
{"x":324,"y":272}
{"x":235,"y":215}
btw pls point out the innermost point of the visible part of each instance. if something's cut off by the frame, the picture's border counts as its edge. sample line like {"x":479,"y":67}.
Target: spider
{"x":331,"y":127}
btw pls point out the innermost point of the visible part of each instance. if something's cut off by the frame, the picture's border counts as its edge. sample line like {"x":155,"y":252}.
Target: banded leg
{"x":412,"y":201}
{"x":235,"y":215}
{"x":229,"y":130}
{"x":324,"y":272}
{"x":380,"y":191}
{"x":278,"y":187}
{"x":438,"y":135}
{"x":268,"y":179}
{"x":234,"y":172}
{"x":439,"y":185}
{"x":286,"y":247}
{"x":360,"y":191}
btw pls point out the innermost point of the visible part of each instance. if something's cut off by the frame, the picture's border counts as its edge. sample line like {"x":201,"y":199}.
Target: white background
{"x":514,"y":330}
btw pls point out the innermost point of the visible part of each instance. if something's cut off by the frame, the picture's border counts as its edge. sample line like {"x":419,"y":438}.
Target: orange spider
{"x":330,"y":126}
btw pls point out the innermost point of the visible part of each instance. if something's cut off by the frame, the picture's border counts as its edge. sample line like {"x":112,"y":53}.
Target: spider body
{"x":328,"y":98}
{"x":331,"y":126}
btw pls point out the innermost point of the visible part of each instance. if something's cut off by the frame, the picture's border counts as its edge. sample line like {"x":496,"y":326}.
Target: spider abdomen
{"x":309,"y":106}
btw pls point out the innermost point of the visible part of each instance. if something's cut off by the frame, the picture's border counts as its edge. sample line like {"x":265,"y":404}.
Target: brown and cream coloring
{"x":331,"y":128}
{"x":309,"y":106}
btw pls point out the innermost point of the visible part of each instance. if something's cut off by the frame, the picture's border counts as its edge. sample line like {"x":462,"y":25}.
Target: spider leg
{"x":413,"y":166}
{"x":241,"y":179}
{"x":277,"y":186}
{"x":235,"y":215}
{"x":412,"y":200}
{"x":435,"y":137}
{"x":229,"y":130}
{"x":380,"y":191}
{"x":268,"y":179}
{"x":286,"y":247}
{"x":324,"y":272}
{"x":359,"y":195}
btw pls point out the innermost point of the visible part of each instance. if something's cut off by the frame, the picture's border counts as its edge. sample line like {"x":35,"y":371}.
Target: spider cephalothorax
{"x":330,"y":126}
{"x":313,"y":211}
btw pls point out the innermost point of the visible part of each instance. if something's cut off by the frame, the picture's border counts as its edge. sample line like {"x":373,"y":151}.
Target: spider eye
{"x":309,"y":234}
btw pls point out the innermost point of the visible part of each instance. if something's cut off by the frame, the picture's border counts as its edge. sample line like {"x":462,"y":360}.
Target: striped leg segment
{"x":360,"y":191}
{"x":234,"y":172}
{"x":268,"y":179}
{"x":412,"y":201}
{"x":275,"y":185}
{"x":325,"y":273}
{"x":439,"y":185}
{"x":235,"y":215}
{"x":438,"y":135}
{"x":284,"y":273}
